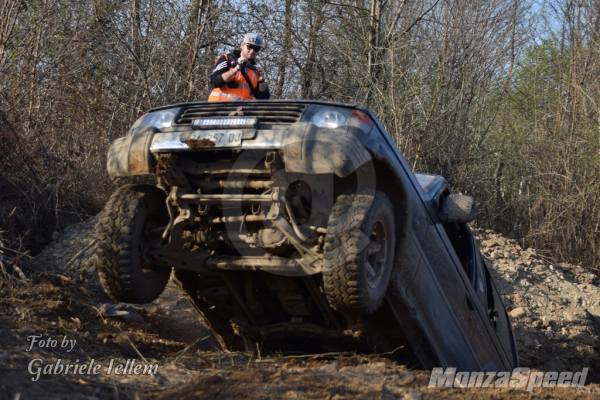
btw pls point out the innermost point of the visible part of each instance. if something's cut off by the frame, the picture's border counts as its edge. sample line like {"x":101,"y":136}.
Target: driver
{"x":236,"y":76}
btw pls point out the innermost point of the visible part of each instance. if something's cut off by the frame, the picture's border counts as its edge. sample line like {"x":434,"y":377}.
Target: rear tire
{"x":359,"y":252}
{"x":125,"y":233}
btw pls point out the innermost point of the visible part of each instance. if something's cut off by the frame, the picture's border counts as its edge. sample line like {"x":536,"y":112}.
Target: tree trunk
{"x":197,"y":30}
{"x":287,"y":35}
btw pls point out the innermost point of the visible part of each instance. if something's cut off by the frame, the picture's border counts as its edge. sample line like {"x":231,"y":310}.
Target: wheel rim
{"x":146,"y":243}
{"x":376,"y":254}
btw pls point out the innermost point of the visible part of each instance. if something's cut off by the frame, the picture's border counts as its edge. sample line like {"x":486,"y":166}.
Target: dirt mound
{"x":554,"y":308}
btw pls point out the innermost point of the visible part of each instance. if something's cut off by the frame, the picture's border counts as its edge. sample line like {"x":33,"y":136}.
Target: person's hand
{"x":240,"y":61}
{"x":260,"y":73}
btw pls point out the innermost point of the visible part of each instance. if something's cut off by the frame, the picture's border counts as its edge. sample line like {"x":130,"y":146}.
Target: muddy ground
{"x":555,"y":310}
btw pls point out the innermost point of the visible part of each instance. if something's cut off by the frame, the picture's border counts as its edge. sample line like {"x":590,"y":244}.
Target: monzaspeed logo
{"x":519,"y":378}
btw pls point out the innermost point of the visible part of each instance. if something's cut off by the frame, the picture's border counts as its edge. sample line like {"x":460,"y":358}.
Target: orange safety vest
{"x":241,"y":92}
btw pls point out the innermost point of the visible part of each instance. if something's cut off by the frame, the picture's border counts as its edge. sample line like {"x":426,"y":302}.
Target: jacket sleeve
{"x":266,"y":95}
{"x":216,"y":80}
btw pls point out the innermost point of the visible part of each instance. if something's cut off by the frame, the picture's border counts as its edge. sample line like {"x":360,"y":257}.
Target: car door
{"x":499,"y":317}
{"x":471,"y":280}
{"x":488,"y":348}
{"x":431,"y":296}
{"x":446,"y":263}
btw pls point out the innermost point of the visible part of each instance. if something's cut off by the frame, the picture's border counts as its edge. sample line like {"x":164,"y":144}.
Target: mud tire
{"x":122,"y":235}
{"x":357,"y":227}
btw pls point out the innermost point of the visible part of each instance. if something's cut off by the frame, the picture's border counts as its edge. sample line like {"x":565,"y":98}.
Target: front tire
{"x":359,"y":252}
{"x":126,"y":232}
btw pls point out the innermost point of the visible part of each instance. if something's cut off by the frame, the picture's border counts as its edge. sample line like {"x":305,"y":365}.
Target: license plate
{"x":228,"y":139}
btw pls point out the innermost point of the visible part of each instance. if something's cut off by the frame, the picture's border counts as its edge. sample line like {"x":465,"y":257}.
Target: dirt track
{"x":555,"y":311}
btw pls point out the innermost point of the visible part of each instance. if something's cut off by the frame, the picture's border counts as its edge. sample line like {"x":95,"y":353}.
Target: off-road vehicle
{"x":298,"y":226}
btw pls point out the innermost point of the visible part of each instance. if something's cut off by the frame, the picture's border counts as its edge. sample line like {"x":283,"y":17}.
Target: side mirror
{"x":458,"y":208}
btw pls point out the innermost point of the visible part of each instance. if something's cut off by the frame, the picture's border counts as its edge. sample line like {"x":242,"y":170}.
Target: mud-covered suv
{"x":298,"y":226}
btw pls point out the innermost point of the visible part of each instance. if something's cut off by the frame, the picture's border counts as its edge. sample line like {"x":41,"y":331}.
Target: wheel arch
{"x":314,"y":150}
{"x":396,"y":189}
{"x":387,"y":180}
{"x":130,"y":155}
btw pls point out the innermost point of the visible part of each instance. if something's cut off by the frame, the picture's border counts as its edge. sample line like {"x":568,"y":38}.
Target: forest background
{"x":500,"y":96}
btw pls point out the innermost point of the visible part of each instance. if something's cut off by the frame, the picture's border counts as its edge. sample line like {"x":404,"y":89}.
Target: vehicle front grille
{"x":267,"y":113}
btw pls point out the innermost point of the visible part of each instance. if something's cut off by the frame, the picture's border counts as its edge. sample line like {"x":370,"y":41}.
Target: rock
{"x":120,"y":310}
{"x":405,"y":378}
{"x":330,"y":368}
{"x":549,"y":334}
{"x":582,"y":337}
{"x":395,"y":386}
{"x":518,"y":312}
{"x":494,"y":255}
{"x":588,"y":278}
{"x":508,"y":255}
{"x":517,"y":297}
{"x":493,"y":243}
{"x":560,"y":336}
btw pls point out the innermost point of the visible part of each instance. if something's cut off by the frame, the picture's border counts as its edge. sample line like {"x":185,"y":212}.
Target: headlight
{"x":326,"y":117}
{"x":333,"y":117}
{"x":329,"y":119}
{"x":158,"y":119}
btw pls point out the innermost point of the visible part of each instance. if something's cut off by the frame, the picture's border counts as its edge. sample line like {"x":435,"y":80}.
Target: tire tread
{"x":341,"y":258}
{"x":114,"y":241}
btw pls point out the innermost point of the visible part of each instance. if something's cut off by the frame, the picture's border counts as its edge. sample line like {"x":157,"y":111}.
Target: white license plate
{"x":229,"y":139}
